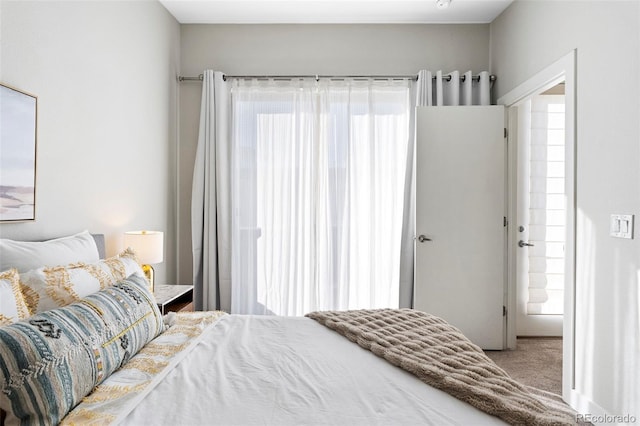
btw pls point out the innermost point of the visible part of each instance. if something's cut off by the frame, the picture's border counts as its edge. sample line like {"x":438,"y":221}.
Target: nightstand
{"x":173,"y":298}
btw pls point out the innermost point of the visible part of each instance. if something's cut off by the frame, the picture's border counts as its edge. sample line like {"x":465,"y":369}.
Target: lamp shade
{"x":148,"y":245}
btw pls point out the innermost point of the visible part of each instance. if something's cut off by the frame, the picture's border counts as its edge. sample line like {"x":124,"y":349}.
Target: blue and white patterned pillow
{"x":53,"y":359}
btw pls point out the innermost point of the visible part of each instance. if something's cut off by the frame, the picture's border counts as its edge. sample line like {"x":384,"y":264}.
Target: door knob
{"x":523,"y":244}
{"x":422,"y":238}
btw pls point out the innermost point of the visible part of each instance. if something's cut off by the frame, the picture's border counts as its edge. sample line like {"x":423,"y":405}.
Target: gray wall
{"x":309,"y":49}
{"x":104,"y":73}
{"x":526,"y":38}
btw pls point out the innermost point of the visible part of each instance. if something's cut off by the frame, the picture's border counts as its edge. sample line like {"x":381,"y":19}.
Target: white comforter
{"x":260,"y":370}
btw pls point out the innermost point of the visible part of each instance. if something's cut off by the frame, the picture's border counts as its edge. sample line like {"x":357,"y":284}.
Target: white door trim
{"x":563,"y":69}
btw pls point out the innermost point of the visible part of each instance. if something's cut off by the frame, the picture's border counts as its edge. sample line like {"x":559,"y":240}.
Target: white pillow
{"x":27,"y":255}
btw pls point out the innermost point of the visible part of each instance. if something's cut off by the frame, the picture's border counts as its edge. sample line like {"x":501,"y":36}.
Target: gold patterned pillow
{"x":54,"y":287}
{"x":12,"y":306}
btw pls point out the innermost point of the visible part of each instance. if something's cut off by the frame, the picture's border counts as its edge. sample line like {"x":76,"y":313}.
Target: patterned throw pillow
{"x":54,"y":287}
{"x":52,"y":360}
{"x":12,"y":306}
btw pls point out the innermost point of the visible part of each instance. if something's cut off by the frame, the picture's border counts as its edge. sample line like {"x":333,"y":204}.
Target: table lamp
{"x":149,"y":248}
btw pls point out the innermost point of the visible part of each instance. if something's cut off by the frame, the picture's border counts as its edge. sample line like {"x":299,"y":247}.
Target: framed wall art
{"x":18,"y":138}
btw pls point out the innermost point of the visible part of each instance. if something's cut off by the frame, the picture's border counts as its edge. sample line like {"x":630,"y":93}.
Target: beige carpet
{"x":537,"y":362}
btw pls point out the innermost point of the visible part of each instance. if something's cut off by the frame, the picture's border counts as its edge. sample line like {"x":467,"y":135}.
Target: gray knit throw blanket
{"x":442,"y":357}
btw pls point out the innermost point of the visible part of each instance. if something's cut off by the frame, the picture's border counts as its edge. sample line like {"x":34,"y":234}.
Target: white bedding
{"x":265,"y":370}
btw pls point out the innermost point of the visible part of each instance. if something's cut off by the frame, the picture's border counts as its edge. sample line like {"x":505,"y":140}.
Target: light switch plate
{"x":621,"y":226}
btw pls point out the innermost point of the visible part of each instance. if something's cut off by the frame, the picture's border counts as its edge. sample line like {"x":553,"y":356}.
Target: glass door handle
{"x":523,"y":244}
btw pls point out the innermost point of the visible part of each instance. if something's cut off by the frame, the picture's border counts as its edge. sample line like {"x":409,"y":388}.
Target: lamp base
{"x":148,"y":272}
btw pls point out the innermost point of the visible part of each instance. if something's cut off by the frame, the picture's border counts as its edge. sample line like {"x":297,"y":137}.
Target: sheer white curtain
{"x":319,"y":173}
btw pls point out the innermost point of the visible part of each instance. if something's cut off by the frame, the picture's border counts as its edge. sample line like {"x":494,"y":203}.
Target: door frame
{"x":563,"y":69}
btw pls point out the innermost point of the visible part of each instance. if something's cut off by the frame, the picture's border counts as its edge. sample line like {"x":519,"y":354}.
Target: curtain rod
{"x":333,"y":77}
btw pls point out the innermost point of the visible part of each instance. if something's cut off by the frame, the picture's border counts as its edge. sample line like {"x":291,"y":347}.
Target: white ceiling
{"x":332,"y":11}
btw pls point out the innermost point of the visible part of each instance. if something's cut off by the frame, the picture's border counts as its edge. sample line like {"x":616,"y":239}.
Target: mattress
{"x":264,"y":370}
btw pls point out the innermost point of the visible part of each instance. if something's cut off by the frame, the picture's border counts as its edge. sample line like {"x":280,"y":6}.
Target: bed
{"x":95,"y":351}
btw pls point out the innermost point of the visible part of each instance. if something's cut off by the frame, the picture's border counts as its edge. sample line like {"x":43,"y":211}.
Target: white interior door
{"x":460,"y":214}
